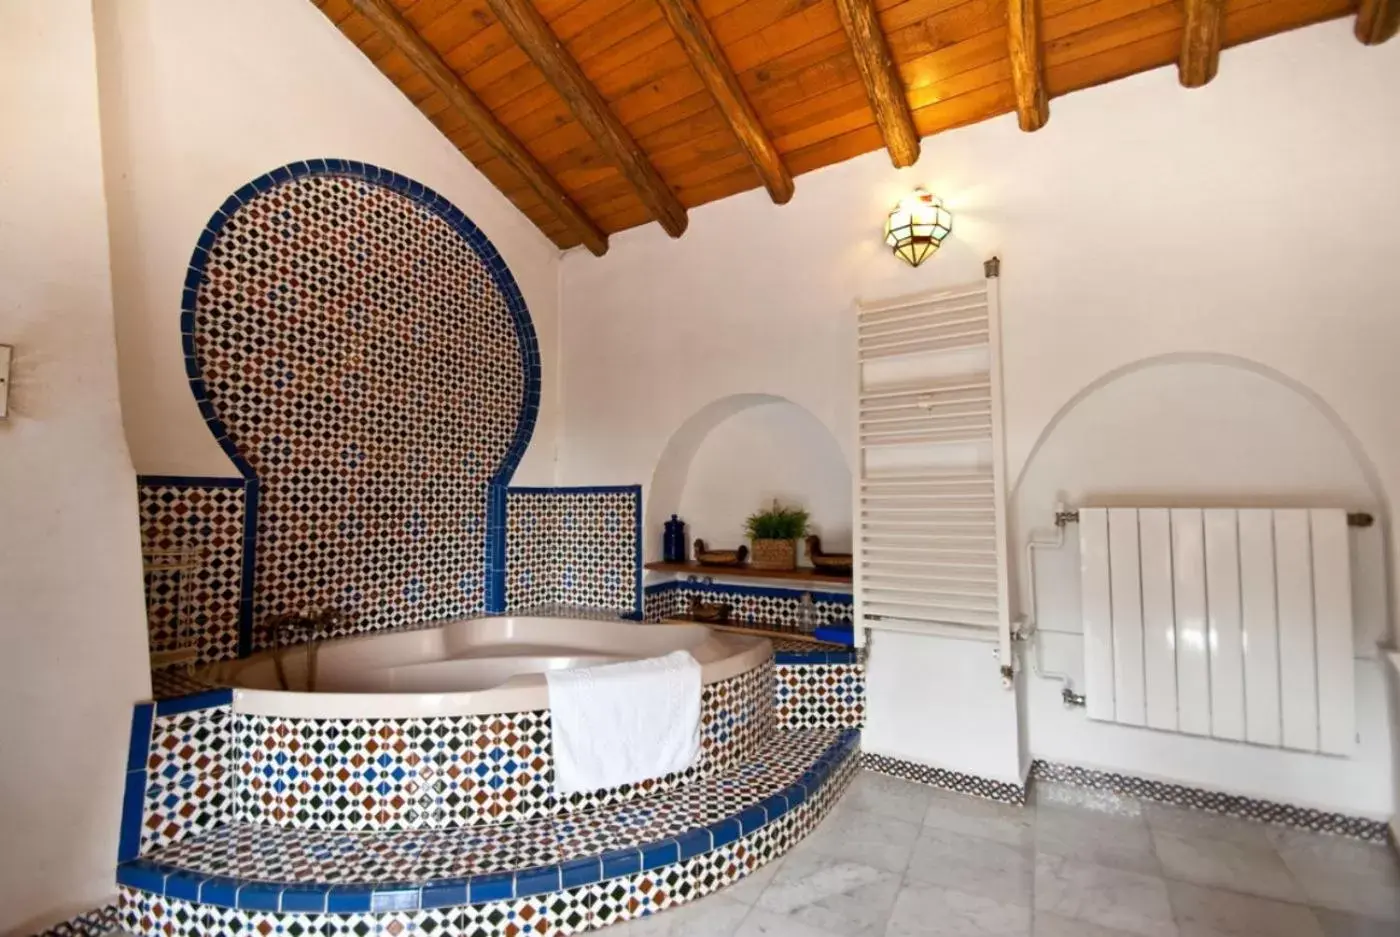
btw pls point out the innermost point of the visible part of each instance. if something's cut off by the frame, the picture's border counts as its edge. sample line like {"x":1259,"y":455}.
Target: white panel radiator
{"x":1231,"y":623}
{"x":930,"y":546}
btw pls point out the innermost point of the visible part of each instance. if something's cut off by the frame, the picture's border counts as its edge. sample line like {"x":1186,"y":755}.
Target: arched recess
{"x":673,"y":467}
{"x":1195,"y":429}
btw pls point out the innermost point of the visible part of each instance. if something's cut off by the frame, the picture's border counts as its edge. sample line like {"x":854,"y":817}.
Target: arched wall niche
{"x":1195,"y":430}
{"x":736,"y":454}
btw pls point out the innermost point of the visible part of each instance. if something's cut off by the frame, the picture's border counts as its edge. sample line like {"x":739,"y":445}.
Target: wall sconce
{"x":916,"y":226}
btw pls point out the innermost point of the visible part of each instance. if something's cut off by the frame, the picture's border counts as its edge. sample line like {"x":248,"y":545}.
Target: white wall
{"x":772,"y":450}
{"x":201,"y":96}
{"x":1216,"y":434}
{"x":72,"y":625}
{"x":1251,"y":218}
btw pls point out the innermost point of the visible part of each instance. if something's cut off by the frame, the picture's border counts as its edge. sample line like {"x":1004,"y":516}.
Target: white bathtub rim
{"x":520,"y":693}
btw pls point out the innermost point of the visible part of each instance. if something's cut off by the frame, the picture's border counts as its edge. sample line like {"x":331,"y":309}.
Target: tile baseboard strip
{"x":819,"y":784}
{"x":95,"y":923}
{"x":1230,"y":805}
{"x":1000,"y":791}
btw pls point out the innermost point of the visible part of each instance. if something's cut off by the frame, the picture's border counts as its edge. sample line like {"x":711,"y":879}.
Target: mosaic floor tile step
{"x":288,"y":855}
{"x":619,"y":892}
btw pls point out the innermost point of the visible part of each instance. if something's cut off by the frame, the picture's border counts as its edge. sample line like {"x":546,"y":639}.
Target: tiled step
{"x":576,"y":871}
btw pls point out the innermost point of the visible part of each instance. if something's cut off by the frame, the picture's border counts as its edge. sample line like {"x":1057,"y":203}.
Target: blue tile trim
{"x":636,"y":614}
{"x":134,"y":783}
{"x":205,"y":699}
{"x":156,"y":878}
{"x":505,"y":283}
{"x":767,"y":592}
{"x":801,"y":658}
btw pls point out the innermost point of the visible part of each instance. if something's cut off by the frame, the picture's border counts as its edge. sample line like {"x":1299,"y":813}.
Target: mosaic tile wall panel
{"x":188,"y":776}
{"x":574,"y":546}
{"x":810,"y":696}
{"x":367,"y":368}
{"x":436,"y":773}
{"x":782,"y":607}
{"x":192,"y":545}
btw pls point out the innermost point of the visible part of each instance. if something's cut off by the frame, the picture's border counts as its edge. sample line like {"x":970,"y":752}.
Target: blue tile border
{"x":764,"y":592}
{"x":153,"y":877}
{"x":815,"y":658}
{"x":637,"y":613}
{"x":505,"y":283}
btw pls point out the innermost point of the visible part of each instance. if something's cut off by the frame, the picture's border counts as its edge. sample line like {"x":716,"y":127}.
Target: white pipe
{"x":1026,"y":627}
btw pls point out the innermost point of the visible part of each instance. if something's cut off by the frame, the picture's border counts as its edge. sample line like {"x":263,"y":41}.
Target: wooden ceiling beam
{"x":1377,"y":20}
{"x":1027,"y":63}
{"x":533,"y":35}
{"x":1200,"y":42}
{"x":387,"y":19}
{"x":882,"y":82}
{"x":715,"y":71}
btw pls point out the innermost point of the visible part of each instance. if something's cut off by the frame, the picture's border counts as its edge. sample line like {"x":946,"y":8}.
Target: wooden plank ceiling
{"x":594,"y":116}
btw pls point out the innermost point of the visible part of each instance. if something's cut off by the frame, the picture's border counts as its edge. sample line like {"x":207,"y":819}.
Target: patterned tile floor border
{"x":1230,"y":805}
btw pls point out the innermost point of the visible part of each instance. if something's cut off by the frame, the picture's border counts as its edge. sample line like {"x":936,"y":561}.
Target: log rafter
{"x":390,"y":22}
{"x":883,"y":86}
{"x":530,"y":31}
{"x":709,"y":62}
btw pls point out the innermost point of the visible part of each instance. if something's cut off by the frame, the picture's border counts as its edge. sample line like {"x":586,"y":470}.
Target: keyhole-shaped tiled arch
{"x":362,"y":353}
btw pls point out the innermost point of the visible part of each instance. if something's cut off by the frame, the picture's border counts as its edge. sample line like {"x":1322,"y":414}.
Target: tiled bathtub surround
{"x":201,"y":765}
{"x":574,"y":546}
{"x":358,"y":346}
{"x":783,"y":607}
{"x":704,"y":841}
{"x":197,"y":547}
{"x":819,"y":694}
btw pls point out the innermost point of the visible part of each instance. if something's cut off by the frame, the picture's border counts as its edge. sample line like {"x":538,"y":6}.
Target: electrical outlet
{"x":5,"y":352}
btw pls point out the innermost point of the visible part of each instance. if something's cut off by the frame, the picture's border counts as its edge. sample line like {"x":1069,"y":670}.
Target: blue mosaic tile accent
{"x":361,"y":496}
{"x":780,"y":608}
{"x":575,"y":546}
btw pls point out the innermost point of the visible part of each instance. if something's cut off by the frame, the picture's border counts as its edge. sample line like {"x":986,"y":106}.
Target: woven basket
{"x":774,"y":554}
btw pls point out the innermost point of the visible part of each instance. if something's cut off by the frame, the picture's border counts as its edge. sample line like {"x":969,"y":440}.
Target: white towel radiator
{"x":1229,"y":623}
{"x":930,"y":547}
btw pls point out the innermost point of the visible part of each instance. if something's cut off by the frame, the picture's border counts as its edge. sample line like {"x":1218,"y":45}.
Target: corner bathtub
{"x":463,"y":667}
{"x":449,"y":726}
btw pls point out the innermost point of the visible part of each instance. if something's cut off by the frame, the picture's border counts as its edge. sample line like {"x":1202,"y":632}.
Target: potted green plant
{"x":775,"y":532}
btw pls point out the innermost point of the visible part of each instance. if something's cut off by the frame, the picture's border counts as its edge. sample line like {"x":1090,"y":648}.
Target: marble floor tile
{"x":1182,"y":821}
{"x":712,"y":916}
{"x":748,"y":888}
{"x":837,"y":895}
{"x":1341,"y":924}
{"x":976,"y":816}
{"x":1120,"y":840}
{"x":1049,"y":924}
{"x":1050,"y":794}
{"x":1108,"y":897}
{"x":761,"y":923}
{"x":1254,"y":869}
{"x":891,"y":797}
{"x":973,"y":865}
{"x":862,"y":836}
{"x":1212,"y":912}
{"x":922,"y":910}
{"x":1342,"y":874}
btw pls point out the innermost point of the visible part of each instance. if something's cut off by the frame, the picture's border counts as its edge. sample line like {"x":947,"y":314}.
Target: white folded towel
{"x":623,"y":723}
